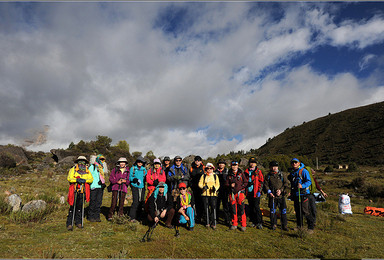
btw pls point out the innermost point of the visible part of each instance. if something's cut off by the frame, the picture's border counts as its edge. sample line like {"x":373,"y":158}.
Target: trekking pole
{"x":149,"y":231}
{"x":119,"y":197}
{"x":300,"y":214}
{"x":274,"y":214}
{"x":207,"y":209}
{"x":74,"y":205}
{"x":214,"y":216}
{"x":177,"y":231}
{"x":82,"y":210}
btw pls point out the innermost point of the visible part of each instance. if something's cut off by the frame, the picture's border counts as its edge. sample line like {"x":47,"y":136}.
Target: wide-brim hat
{"x":156,"y":161}
{"x":166,"y":158}
{"x":122,"y":159}
{"x":209,"y":165}
{"x":81,"y":158}
{"x":140,"y":159}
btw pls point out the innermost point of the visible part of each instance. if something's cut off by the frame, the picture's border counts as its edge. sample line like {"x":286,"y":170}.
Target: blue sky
{"x":183,"y":78}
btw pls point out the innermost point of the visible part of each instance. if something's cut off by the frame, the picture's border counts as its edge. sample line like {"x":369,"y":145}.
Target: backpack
{"x":312,"y":187}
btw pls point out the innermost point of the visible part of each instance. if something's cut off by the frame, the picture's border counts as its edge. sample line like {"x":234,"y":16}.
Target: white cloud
{"x":87,"y":69}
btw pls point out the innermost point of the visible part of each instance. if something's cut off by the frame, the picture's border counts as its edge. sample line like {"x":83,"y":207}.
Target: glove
{"x":258,"y":194}
{"x":100,"y":183}
{"x":177,"y":177}
{"x":135,"y":180}
{"x":80,"y":181}
{"x":155,"y":183}
{"x":213,"y":189}
{"x":103,"y":185}
{"x":205,"y":188}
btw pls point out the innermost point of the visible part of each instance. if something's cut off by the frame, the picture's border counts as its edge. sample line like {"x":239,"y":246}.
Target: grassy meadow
{"x":44,"y":234}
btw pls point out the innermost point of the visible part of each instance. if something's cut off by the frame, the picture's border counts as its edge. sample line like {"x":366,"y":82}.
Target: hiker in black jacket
{"x":276,"y":186}
{"x":160,"y":206}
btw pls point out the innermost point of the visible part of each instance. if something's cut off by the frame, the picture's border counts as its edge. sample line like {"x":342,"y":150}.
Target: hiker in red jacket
{"x":236,"y":183}
{"x":154,"y":176}
{"x":255,"y":186}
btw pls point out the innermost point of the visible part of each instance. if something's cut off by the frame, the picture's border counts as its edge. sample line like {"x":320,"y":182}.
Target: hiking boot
{"x":252,"y":225}
{"x":92,"y":220}
{"x":310,"y":231}
{"x":233,"y":227}
{"x":133,"y":221}
{"x":213,"y":227}
{"x":70,"y":228}
{"x":207,"y":226}
{"x":274,"y":227}
{"x":242,"y":229}
{"x":285,"y":228}
{"x":170,"y":226}
{"x":79,"y":226}
{"x":98,"y":220}
{"x":259,"y":226}
{"x":109,"y":219}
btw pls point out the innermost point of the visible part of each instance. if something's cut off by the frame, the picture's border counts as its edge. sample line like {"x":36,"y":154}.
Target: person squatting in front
{"x":136,"y":178}
{"x":97,"y":189}
{"x":160,"y":206}
{"x":253,"y":191}
{"x":300,"y":182}
{"x":209,"y":184}
{"x":79,"y":178}
{"x":119,"y":180}
{"x":184,"y":207}
{"x":236,"y":183}
{"x":276,"y":187}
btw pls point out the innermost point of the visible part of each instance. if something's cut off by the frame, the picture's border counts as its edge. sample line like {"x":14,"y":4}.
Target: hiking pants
{"x":199,"y":206}
{"x":223,"y":199}
{"x":138,"y":200}
{"x":280,"y":203}
{"x":78,"y":210}
{"x":304,"y":211}
{"x":95,"y":203}
{"x":191,"y":214}
{"x":255,"y":215}
{"x":312,"y":207}
{"x":210,"y":209}
{"x":238,"y":210}
{"x":168,"y":218}
{"x":115,"y":196}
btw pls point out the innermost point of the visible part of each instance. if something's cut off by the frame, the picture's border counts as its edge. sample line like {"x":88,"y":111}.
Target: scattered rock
{"x":62,"y":200}
{"x":34,"y":205}
{"x":14,"y":201}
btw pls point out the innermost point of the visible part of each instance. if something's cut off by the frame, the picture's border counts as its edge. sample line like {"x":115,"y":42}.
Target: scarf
{"x":185,"y":200}
{"x":81,"y":167}
{"x":100,"y":166}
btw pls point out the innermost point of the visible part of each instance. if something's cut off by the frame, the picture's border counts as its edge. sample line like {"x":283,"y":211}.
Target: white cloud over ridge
{"x":88,"y":69}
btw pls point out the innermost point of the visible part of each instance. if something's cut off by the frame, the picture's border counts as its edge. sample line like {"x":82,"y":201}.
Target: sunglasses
{"x":182,"y":188}
{"x":209,"y":168}
{"x":178,"y":160}
{"x":294,"y":162}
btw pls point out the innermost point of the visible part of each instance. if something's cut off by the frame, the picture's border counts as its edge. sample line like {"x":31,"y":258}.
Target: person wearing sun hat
{"x":237,"y":181}
{"x":300,"y":183}
{"x":137,"y":178}
{"x":119,"y":180}
{"x":79,"y":178}
{"x":184,"y":207}
{"x":97,"y":188}
{"x":209,"y":184}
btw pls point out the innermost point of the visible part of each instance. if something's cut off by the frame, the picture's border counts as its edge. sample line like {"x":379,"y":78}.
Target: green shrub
{"x":7,"y":160}
{"x":4,"y":206}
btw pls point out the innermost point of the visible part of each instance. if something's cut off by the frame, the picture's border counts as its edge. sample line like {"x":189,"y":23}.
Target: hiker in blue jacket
{"x":177,"y":174}
{"x":300,"y":182}
{"x":136,"y":178}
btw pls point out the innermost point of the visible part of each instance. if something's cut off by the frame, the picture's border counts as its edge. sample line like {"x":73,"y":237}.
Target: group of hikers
{"x":177,"y":196}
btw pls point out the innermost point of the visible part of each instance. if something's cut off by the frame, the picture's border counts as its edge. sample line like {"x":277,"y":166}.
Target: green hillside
{"x":354,"y":135}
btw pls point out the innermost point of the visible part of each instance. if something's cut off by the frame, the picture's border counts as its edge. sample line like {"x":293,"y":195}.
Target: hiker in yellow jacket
{"x":79,"y":178}
{"x":210,"y":184}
